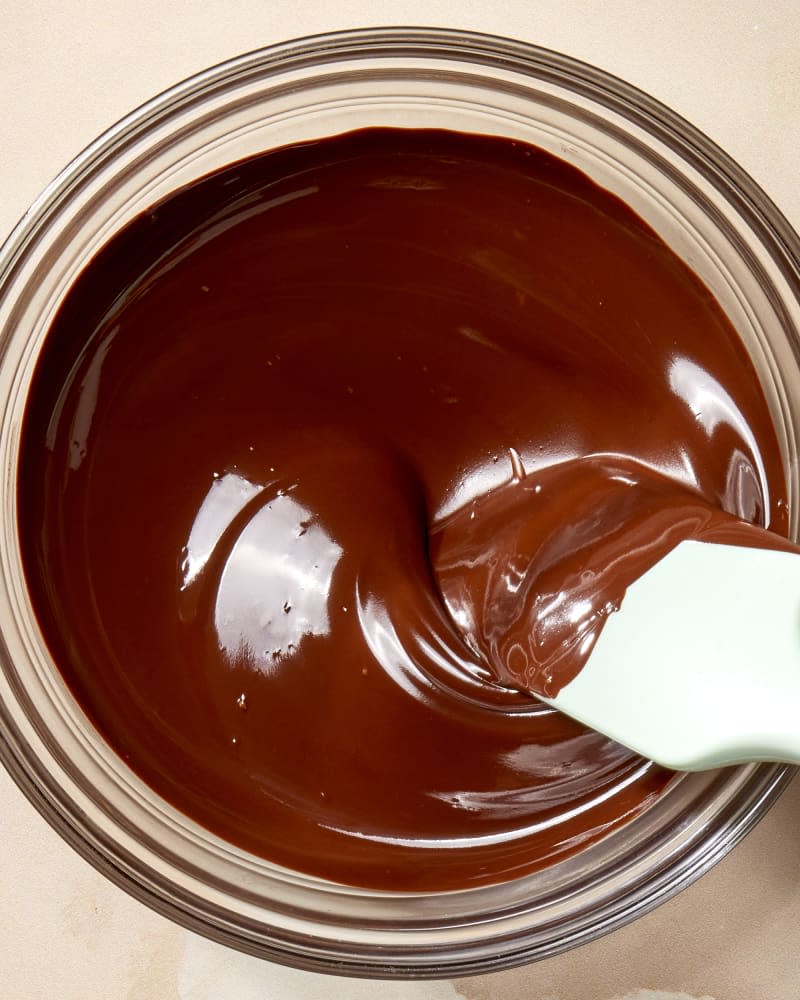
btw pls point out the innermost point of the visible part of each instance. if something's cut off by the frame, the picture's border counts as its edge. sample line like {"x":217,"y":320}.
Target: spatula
{"x":700,"y":667}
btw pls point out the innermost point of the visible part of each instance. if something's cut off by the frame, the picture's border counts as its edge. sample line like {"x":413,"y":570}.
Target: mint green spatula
{"x":700,"y":667}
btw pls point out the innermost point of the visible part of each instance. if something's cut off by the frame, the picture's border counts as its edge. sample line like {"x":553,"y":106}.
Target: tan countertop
{"x":67,"y":71}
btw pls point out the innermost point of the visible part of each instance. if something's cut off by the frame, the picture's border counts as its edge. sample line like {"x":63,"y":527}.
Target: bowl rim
{"x":486,"y":49}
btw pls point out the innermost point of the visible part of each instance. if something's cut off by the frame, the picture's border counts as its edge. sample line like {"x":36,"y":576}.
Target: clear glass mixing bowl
{"x":700,"y":202}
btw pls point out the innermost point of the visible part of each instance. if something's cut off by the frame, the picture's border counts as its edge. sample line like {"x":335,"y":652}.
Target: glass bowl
{"x":699,"y":201}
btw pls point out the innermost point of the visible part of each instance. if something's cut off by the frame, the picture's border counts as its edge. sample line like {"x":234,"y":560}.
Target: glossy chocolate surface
{"x":333,"y":450}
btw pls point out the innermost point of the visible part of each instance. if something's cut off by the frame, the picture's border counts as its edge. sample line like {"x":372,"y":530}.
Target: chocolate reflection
{"x":274,"y":584}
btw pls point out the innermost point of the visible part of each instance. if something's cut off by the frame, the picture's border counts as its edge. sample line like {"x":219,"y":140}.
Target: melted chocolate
{"x":333,"y":450}
{"x":532,"y":570}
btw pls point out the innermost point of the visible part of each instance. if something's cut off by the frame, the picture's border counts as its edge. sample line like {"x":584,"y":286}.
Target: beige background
{"x":67,"y":71}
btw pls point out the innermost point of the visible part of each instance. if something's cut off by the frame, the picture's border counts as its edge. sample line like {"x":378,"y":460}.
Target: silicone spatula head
{"x":700,"y":667}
